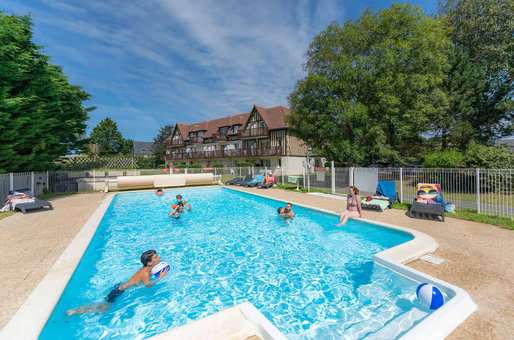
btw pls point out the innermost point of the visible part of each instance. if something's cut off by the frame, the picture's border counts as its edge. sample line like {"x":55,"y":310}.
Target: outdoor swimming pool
{"x":308,"y":277}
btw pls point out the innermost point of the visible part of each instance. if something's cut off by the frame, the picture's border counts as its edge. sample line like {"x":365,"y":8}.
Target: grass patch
{"x":6,"y":214}
{"x":469,"y":215}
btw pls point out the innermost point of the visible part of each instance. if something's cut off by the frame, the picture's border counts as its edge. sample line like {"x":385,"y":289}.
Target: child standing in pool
{"x":178,"y":206}
{"x":353,"y":206}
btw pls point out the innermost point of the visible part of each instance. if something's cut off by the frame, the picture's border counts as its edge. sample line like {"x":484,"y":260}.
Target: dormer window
{"x":223,"y":130}
{"x":235,"y":128}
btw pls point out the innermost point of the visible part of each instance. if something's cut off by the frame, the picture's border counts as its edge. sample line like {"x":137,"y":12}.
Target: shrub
{"x":444,"y":159}
{"x":492,"y":157}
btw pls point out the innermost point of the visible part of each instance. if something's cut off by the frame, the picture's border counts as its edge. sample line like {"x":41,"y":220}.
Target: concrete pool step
{"x":241,"y":322}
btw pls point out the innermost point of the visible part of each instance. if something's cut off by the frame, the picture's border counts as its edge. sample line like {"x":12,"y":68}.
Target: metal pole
{"x":94,"y":180}
{"x":47,"y":181}
{"x":478,"y":189}
{"x":11,"y":181}
{"x":350,"y":180}
{"x":401,"y":185}
{"x":307,"y":171}
{"x":185,"y":171}
{"x":32,"y":183}
{"x":333,"y":177}
{"x":282,"y":174}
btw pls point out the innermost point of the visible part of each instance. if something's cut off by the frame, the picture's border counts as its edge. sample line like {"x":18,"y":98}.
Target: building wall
{"x":295,"y":146}
{"x":292,"y":165}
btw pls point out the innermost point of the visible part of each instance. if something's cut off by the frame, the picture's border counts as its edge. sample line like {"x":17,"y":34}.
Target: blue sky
{"x":156,"y":62}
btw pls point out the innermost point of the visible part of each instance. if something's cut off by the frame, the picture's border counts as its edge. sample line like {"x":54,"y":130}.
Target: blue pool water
{"x":308,"y":277}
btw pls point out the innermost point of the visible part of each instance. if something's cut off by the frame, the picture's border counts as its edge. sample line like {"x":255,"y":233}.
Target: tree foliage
{"x":481,"y":79}
{"x":107,"y":139}
{"x":42,"y":116}
{"x":373,"y":87}
{"x":159,"y":142}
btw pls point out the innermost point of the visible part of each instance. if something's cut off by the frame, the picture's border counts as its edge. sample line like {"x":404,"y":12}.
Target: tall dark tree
{"x":42,"y":116}
{"x":481,"y":80}
{"x":373,"y":87}
{"x":107,"y":139}
{"x":159,"y":142}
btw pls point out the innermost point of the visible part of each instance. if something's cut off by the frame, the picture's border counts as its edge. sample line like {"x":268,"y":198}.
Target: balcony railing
{"x":255,"y":132}
{"x":256,"y":152}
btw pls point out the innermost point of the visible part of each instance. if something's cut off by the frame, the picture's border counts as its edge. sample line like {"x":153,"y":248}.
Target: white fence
{"x":486,"y":191}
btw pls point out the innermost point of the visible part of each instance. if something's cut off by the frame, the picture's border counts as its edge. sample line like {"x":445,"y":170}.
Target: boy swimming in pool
{"x":149,"y":259}
{"x":178,"y":206}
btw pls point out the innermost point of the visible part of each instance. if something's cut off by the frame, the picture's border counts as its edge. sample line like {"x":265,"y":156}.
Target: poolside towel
{"x":387,"y":189}
{"x":375,"y":203}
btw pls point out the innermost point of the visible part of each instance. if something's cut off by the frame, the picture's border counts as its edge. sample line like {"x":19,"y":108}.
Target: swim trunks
{"x":114,"y":294}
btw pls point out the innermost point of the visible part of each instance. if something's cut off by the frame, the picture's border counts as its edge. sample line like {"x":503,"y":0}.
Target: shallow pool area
{"x":310,"y":278}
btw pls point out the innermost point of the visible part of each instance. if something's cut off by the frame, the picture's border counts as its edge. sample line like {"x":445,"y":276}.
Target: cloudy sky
{"x":156,"y":62}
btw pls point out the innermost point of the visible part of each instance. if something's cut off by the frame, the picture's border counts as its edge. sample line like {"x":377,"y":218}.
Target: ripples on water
{"x":311,"y":279}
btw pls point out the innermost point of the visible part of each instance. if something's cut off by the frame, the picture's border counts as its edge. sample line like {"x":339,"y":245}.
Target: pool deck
{"x":479,"y":257}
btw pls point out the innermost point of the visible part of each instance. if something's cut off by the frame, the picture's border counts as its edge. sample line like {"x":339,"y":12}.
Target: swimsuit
{"x":113,"y":295}
{"x":351,"y":204}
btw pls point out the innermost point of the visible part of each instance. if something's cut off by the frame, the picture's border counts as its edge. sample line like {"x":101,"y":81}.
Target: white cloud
{"x":184,"y":60}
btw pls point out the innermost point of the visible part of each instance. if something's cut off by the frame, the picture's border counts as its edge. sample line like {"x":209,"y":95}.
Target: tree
{"x":42,"y":116}
{"x":108,"y":139}
{"x":373,"y":87}
{"x":159,"y":142}
{"x":481,"y":80}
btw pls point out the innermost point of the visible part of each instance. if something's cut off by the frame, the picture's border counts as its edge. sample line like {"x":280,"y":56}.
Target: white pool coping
{"x":31,"y":317}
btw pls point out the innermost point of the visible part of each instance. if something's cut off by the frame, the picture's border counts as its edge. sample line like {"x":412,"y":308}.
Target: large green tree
{"x":373,"y":87}
{"x":107,"y":139}
{"x":159,"y":142}
{"x":480,"y":82}
{"x":42,"y":116}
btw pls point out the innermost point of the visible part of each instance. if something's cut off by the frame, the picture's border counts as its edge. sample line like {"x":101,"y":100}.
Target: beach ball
{"x":430,"y":296}
{"x":160,"y":269}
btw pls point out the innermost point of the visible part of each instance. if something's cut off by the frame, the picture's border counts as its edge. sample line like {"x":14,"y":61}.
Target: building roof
{"x":274,"y":117}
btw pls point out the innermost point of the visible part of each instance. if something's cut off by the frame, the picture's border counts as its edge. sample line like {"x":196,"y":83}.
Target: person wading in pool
{"x":178,"y":207}
{"x":286,"y":211}
{"x":149,"y":259}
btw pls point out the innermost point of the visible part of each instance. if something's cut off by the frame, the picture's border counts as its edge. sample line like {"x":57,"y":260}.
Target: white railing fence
{"x":486,"y":191}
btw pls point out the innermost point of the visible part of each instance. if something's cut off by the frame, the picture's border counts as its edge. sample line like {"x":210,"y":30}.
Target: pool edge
{"x":30,"y":319}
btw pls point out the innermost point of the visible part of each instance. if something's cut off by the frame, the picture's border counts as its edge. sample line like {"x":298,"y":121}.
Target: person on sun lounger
{"x":286,"y":211}
{"x":178,"y":207}
{"x":149,"y":259}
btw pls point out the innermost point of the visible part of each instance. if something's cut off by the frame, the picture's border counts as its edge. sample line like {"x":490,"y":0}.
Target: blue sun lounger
{"x":387,"y":189}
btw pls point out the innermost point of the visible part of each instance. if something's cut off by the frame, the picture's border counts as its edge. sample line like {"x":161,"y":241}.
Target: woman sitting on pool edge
{"x":149,"y":259}
{"x":178,"y":206}
{"x":286,"y":211}
{"x":353,"y":206}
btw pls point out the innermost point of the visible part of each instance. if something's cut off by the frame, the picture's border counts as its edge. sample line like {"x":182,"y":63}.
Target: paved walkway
{"x":480,"y":257}
{"x":31,"y":243}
